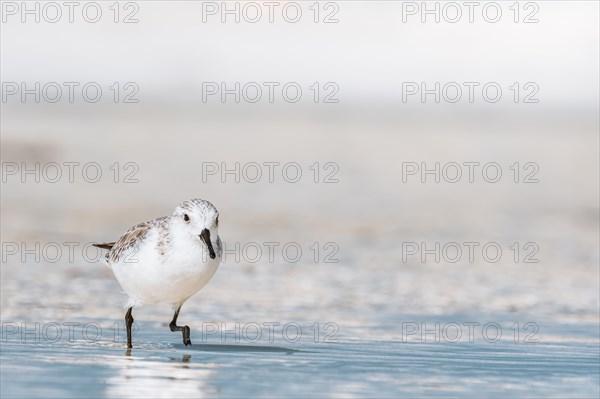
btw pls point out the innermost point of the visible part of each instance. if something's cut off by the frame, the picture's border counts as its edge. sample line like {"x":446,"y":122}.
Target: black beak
{"x":205,"y":236}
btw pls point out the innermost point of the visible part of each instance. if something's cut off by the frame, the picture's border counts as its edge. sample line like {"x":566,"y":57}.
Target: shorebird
{"x":167,"y":259}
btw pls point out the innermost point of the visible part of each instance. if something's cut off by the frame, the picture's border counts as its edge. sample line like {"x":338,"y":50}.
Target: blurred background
{"x":160,"y":141}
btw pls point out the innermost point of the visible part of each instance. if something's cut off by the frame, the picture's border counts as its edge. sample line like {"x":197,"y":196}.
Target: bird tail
{"x":105,"y":245}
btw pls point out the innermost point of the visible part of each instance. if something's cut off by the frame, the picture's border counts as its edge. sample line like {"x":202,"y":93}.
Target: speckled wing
{"x":132,"y":238}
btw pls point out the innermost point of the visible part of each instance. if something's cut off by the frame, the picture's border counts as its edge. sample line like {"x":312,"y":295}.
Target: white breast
{"x":159,"y":271}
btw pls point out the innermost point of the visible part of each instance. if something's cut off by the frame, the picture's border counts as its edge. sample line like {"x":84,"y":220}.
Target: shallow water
{"x":160,"y":366}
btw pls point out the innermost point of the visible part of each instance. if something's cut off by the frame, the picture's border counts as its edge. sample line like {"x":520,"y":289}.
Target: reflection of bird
{"x":167,"y":259}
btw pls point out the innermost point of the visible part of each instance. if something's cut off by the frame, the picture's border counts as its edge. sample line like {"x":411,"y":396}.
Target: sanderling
{"x":167,"y":259}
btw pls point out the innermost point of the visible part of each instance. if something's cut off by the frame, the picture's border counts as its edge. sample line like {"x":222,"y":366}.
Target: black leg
{"x":128,"y":323}
{"x":185,"y":329}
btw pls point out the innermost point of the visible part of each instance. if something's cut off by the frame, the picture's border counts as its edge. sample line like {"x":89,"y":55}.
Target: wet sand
{"x":372,"y":294}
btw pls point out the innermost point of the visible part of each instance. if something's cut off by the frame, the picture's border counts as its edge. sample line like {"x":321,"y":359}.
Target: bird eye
{"x":186,"y":217}
{"x":217,"y":221}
